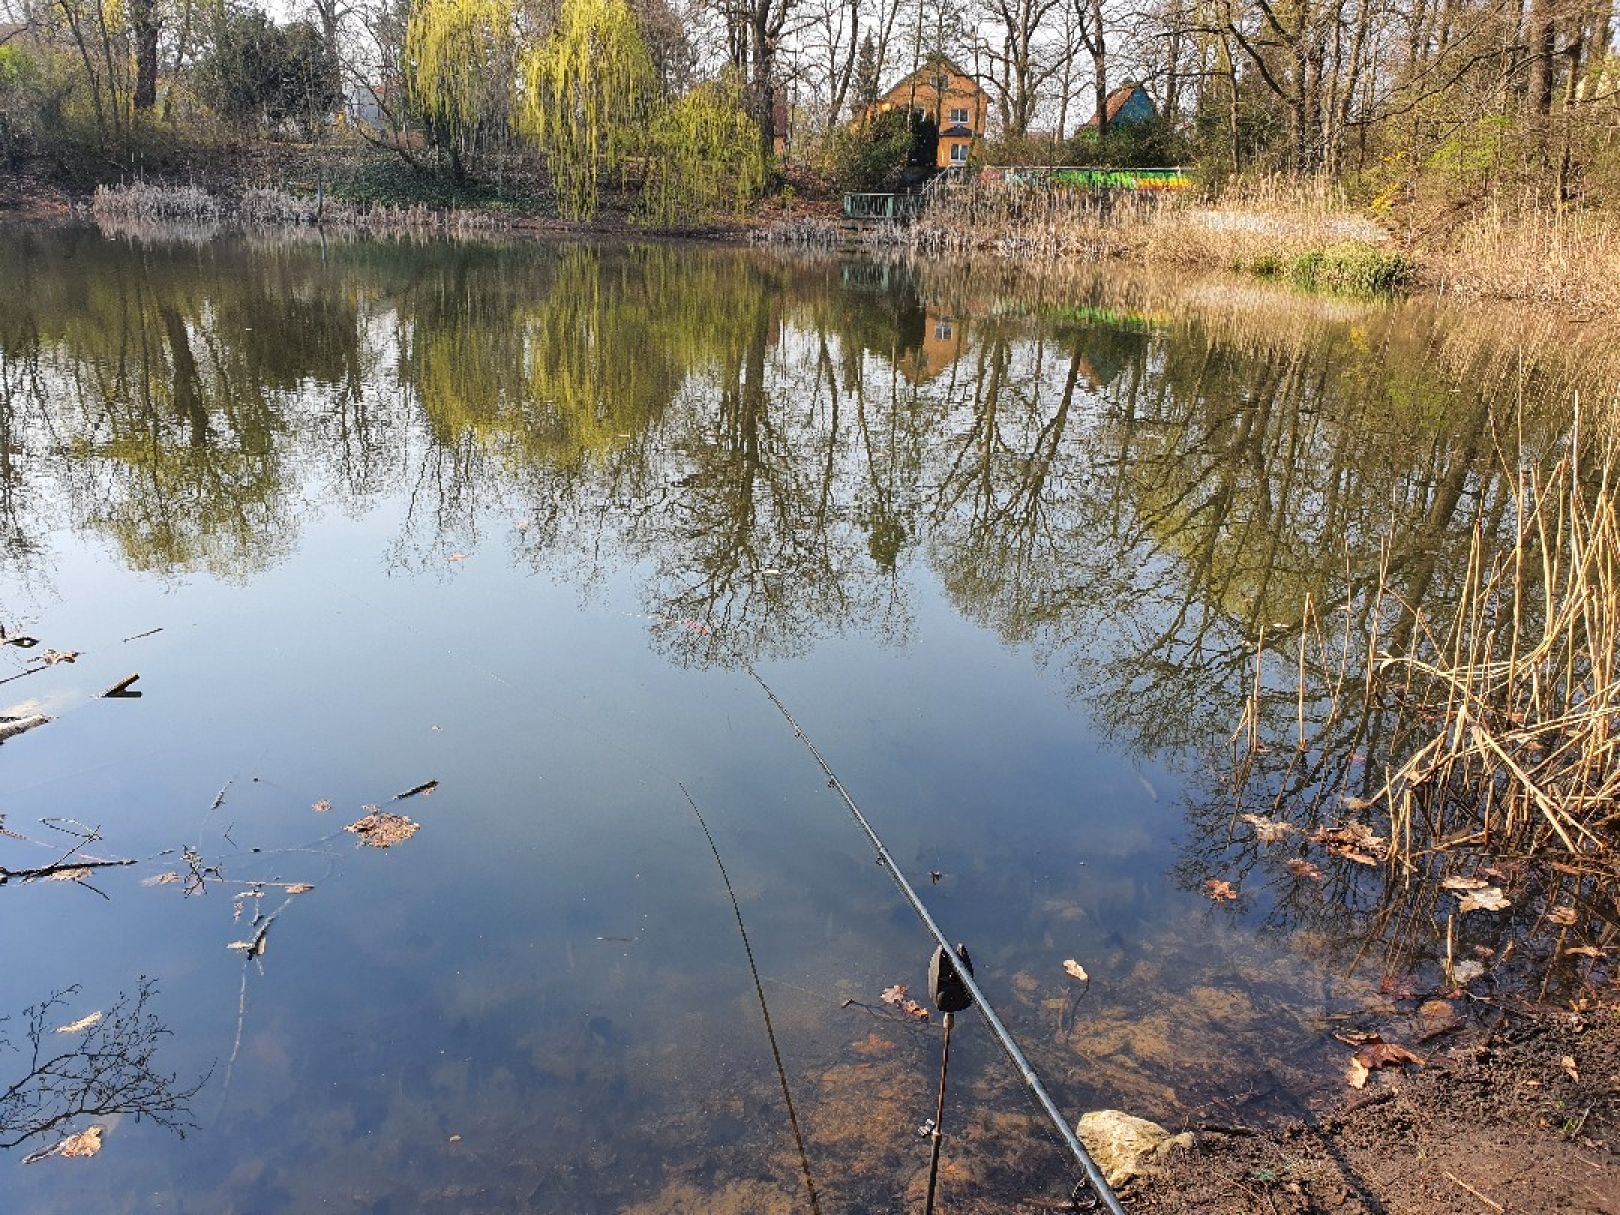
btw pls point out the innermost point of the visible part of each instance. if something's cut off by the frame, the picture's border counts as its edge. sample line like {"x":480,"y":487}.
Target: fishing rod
{"x":1094,"y":1180}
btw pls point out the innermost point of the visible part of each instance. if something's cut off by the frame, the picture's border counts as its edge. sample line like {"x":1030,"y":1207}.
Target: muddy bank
{"x":1517,"y":1112}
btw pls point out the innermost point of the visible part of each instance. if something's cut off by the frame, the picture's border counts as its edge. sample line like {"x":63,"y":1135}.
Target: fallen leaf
{"x":458,"y":556}
{"x":379,"y":829}
{"x":1302,"y":868}
{"x":1570,"y":1069}
{"x":85,"y":1143}
{"x":161,"y":879}
{"x":1357,"y":803}
{"x":1268,"y":830}
{"x":322,"y":806}
{"x":1220,"y":890}
{"x":79,"y":1026}
{"x":1585,"y":951}
{"x":244,"y":946}
{"x":300,"y":888}
{"x":1360,"y":858}
{"x":1375,"y":1055}
{"x":1076,"y":970}
{"x":1467,"y":971}
{"x":1437,"y":1016}
{"x":67,"y":875}
{"x":51,"y":657}
{"x":893,"y":995}
{"x":1357,"y":1037}
{"x":455,"y":1138}
{"x":913,"y":1009}
{"x":1355,"y":1073}
{"x":1490,"y":898}
{"x":1459,"y":882}
{"x":1562,"y":916}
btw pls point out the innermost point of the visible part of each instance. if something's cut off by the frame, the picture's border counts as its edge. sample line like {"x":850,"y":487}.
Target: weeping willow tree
{"x":587,"y":90}
{"x":704,"y":155}
{"x":459,"y":68}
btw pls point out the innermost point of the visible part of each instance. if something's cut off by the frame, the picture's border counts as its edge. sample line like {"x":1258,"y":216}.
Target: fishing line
{"x":759,"y":990}
{"x":1094,"y":1179}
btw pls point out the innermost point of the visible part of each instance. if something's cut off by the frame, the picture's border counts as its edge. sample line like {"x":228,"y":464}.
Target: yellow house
{"x":949,"y":96}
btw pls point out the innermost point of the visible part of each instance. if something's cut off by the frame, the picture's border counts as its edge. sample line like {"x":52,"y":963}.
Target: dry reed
{"x":1549,"y":256}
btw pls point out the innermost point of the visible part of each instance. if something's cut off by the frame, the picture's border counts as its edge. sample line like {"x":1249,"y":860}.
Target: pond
{"x":524,"y":519}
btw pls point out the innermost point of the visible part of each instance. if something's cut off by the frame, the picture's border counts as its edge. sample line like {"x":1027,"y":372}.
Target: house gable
{"x":952,"y":98}
{"x":1127,"y":104}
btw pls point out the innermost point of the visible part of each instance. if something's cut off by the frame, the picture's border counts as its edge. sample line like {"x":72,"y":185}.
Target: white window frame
{"x":961,"y":116}
{"x":959,"y":153}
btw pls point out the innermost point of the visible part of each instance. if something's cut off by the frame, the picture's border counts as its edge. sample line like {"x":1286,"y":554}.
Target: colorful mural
{"x":1081,"y":178}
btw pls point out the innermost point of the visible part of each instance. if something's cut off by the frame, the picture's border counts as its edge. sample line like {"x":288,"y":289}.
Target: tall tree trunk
{"x":1540,"y":38}
{"x":1099,"y":67}
{"x":143,"y":23}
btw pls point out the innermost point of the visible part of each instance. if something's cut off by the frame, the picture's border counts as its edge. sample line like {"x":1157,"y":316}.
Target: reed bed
{"x":1306,"y":235}
{"x":132,"y":208}
{"x":1474,"y":755}
{"x":1555,"y":257}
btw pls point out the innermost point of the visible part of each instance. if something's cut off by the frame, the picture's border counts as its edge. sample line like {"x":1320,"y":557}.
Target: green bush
{"x":1349,"y":269}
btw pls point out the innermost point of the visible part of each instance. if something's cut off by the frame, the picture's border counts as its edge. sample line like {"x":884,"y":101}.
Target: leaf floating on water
{"x":1458,"y":882}
{"x":1077,"y":971}
{"x":1357,"y":1037}
{"x":322,"y":806}
{"x":897,"y":996}
{"x":1353,"y":841}
{"x":1490,"y":898}
{"x":85,"y":1144}
{"x":1267,"y":830}
{"x":1357,"y":803}
{"x":243,"y":946}
{"x":300,"y":888}
{"x":161,"y":879}
{"x":379,"y":829}
{"x":1220,"y":890}
{"x":79,"y":1026}
{"x":458,"y":556}
{"x":67,"y":875}
{"x":1302,"y":868}
{"x":1585,"y":951}
{"x":1564,"y":917}
{"x":51,"y":657}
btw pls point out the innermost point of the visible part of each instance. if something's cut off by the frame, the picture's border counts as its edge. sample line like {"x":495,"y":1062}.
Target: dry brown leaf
{"x":895,"y":994}
{"x":322,"y":806}
{"x":913,"y":1009}
{"x":67,"y":875}
{"x":1585,"y":951}
{"x":1360,"y":858}
{"x":1267,"y":830}
{"x":1357,"y":803}
{"x":161,"y":879}
{"x":1220,"y":890}
{"x":1490,"y":898}
{"x":79,"y":1026}
{"x":243,"y":946}
{"x":1301,"y":868}
{"x":1075,"y":970}
{"x":1564,"y":917}
{"x":379,"y":829}
{"x":1375,"y":1055}
{"x":51,"y":657}
{"x":1570,"y":1069}
{"x":86,"y":1143}
{"x":1467,"y":971}
{"x":1355,"y":1073}
{"x":1357,"y":1037}
{"x":1458,"y":882}
{"x":300,"y":888}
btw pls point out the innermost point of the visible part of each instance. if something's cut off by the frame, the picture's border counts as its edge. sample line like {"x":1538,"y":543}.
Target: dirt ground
{"x":1519,"y":1114}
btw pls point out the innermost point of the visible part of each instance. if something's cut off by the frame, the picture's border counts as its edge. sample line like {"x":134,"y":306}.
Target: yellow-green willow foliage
{"x":458,"y":56}
{"x":587,"y":92}
{"x":703,"y":156}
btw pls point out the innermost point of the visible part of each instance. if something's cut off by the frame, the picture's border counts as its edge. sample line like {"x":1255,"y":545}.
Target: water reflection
{"x":1127,"y":482}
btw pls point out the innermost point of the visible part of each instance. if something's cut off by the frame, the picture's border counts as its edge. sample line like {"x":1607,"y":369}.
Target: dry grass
{"x":1568,"y":258}
{"x":133,"y":209}
{"x":1474,"y":753}
{"x":1305,"y":234}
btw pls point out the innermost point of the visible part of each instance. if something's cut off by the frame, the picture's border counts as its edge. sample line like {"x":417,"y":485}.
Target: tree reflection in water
{"x":104,"y":1069}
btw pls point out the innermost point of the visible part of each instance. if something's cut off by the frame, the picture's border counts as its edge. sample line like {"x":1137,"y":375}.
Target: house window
{"x":943,"y":331}
{"x":959,"y":117}
{"x":959,"y":153}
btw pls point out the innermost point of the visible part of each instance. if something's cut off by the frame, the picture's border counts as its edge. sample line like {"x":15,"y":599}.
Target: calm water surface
{"x":516,"y":519}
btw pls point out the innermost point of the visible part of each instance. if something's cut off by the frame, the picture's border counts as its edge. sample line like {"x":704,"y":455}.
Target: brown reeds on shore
{"x":1471,"y":754}
{"x":1535,"y":253}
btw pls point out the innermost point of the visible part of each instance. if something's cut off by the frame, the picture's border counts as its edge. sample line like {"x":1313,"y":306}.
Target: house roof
{"x":1118,"y":98}
{"x":928,"y":69}
{"x":957,"y":132}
